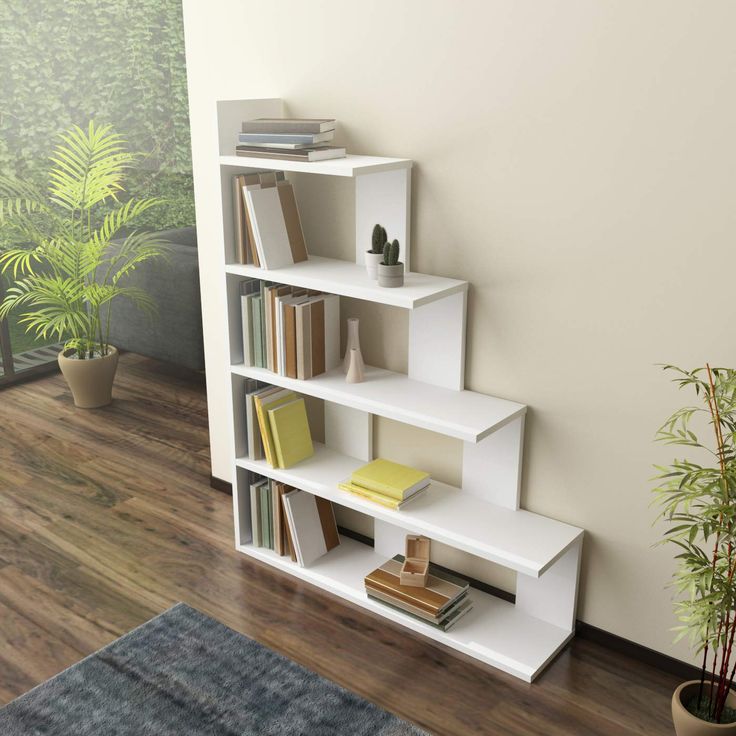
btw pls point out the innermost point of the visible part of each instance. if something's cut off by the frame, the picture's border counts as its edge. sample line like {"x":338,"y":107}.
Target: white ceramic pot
{"x":371,"y":263}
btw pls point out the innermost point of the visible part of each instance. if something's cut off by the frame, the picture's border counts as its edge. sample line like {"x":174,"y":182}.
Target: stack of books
{"x":290,"y":331}
{"x":277,"y":427}
{"x":297,"y":139}
{"x":266,"y":222}
{"x":441,"y":603}
{"x":387,"y":483}
{"x":290,"y":522}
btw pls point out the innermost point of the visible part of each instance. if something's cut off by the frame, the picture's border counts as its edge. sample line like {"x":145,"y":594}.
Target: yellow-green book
{"x":389,"y":478}
{"x":263,"y":401}
{"x":379,"y":498}
{"x":292,"y":439}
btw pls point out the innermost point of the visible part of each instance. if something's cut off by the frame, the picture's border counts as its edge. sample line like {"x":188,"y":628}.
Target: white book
{"x":269,"y":227}
{"x":249,"y":207}
{"x":332,"y":331}
{"x":247,"y":318}
{"x":313,"y":535}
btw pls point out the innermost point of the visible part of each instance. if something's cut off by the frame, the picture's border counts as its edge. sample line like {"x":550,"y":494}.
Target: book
{"x":332,"y":331}
{"x":390,"y":479}
{"x":441,"y":591}
{"x":287,"y":529}
{"x":292,"y":222}
{"x":312,"y":525}
{"x":285,"y":139}
{"x":269,"y":227}
{"x":255,"y":445}
{"x":255,"y":512}
{"x":320,"y":153}
{"x":303,"y":329}
{"x":248,"y":180}
{"x":272,"y":292}
{"x":379,"y":498}
{"x":444,"y":623}
{"x":317,"y":322}
{"x":241,"y":253}
{"x":278,"y":541}
{"x":270,"y":399}
{"x":256,"y":306}
{"x":294,"y":126}
{"x":290,"y":337}
{"x":292,"y":440}
{"x":248,"y":289}
{"x":265,"y":496}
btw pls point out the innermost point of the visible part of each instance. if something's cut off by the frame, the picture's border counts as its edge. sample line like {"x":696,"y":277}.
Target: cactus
{"x":378,"y":239}
{"x":391,"y":253}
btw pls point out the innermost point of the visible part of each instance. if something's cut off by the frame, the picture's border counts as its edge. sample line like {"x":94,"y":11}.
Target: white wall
{"x":575,"y":162}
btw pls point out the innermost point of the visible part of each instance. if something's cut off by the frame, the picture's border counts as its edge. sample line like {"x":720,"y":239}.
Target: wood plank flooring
{"x":107,"y":519}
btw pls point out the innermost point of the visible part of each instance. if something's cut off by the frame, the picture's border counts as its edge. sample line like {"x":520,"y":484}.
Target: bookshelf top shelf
{"x":520,"y":540}
{"x":349,"y":279}
{"x":350,"y":166}
{"x":467,"y":415}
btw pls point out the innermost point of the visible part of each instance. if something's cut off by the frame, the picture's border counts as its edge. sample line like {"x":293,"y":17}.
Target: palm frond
{"x":89,"y":167}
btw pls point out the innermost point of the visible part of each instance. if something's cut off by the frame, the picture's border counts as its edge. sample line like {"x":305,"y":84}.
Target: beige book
{"x":292,"y":221}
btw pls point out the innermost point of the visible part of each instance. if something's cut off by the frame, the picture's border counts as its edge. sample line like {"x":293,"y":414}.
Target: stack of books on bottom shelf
{"x":441,"y":602}
{"x":291,"y":522}
{"x":387,"y":483}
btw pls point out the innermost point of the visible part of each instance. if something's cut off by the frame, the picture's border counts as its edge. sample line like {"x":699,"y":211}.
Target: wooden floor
{"x":107,"y":519}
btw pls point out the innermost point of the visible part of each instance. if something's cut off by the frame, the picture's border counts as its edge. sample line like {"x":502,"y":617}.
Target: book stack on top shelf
{"x":391,"y":484}
{"x":297,"y":139}
{"x":289,"y":331}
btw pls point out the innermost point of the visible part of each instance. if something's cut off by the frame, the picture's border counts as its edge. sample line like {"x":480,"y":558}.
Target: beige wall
{"x":575,"y":162}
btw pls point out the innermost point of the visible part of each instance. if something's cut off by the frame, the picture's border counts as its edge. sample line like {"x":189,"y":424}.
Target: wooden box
{"x":415,"y":569}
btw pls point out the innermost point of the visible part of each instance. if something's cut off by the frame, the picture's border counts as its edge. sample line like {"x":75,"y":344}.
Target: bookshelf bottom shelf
{"x":494,"y":631}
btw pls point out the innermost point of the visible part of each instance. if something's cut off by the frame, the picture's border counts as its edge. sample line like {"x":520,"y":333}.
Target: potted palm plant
{"x":67,"y":272}
{"x":697,"y":499}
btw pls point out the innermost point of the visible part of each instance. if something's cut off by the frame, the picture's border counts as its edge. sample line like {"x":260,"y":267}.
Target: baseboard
{"x":606,"y":639}
{"x":221,"y":485}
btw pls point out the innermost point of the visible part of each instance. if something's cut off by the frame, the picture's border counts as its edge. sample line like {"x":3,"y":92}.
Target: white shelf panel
{"x":525,"y":542}
{"x":466,"y":415}
{"x":349,"y":279}
{"x":349,"y":166}
{"x":494,"y":632}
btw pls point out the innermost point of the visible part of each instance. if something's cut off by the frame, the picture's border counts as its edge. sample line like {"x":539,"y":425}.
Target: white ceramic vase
{"x":353,"y":343}
{"x":355,"y":367}
{"x":371,"y":263}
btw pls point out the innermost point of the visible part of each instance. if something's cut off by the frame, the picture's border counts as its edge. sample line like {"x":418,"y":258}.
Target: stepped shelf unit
{"x":482,"y":517}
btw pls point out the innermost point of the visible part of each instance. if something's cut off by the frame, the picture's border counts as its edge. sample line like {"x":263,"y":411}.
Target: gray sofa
{"x":176,"y":334}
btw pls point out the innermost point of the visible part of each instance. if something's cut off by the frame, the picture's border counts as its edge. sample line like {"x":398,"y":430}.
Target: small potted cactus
{"x":390,"y":269}
{"x":375,"y":255}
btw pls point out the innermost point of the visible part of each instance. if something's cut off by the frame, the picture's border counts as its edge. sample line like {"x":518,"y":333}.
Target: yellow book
{"x":390,"y":503}
{"x":290,"y":430}
{"x":262,"y":404}
{"x":390,"y":479}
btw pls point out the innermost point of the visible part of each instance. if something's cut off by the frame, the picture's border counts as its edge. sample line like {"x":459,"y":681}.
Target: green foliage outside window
{"x":64,"y":63}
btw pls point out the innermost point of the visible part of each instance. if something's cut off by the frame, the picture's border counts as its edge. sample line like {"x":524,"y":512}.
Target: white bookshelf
{"x":482,"y":516}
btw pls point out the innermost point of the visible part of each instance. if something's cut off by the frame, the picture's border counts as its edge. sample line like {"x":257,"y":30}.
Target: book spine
{"x":378,"y":498}
{"x":265,"y":431}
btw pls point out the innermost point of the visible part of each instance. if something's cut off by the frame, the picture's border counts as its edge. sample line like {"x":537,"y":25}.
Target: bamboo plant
{"x":66,"y":270}
{"x":698,"y":502}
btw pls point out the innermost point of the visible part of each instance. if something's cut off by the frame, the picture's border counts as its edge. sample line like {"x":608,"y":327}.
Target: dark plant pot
{"x":391,"y":276}
{"x":90,"y":380}
{"x":686,"y":724}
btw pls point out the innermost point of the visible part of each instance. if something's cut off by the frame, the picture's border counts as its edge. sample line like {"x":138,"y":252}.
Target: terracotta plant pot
{"x":91,"y":380}
{"x":686,"y":724}
{"x":391,"y":276}
{"x":371,"y":263}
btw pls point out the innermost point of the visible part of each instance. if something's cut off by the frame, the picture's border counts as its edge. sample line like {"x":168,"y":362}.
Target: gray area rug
{"x":184,"y":673}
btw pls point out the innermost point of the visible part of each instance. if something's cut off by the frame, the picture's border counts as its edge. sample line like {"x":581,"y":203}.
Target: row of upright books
{"x":297,"y":139}
{"x":290,"y":331}
{"x":267,"y":225}
{"x":277,"y":427}
{"x":292,"y":523}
